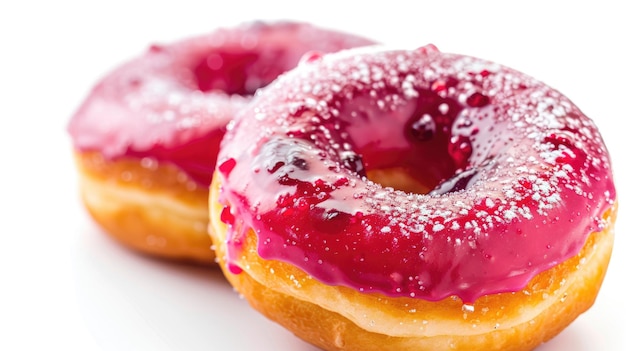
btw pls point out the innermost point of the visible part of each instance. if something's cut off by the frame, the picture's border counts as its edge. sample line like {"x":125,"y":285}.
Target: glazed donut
{"x":147,"y":136}
{"x":414,"y":200}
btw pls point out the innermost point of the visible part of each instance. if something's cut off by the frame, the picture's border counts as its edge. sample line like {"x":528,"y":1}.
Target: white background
{"x":65,"y":284}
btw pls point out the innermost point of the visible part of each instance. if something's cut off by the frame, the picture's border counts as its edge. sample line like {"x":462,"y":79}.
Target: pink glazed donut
{"x":147,"y":136}
{"x":414,"y":200}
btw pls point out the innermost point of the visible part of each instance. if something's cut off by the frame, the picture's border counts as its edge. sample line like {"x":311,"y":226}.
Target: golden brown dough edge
{"x":152,"y":208}
{"x":515,"y":321}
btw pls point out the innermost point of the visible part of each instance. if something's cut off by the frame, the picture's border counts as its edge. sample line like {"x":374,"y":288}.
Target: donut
{"x":146,"y":138}
{"x":379,"y":199}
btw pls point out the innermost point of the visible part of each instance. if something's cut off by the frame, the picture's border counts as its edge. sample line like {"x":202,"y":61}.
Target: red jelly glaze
{"x":519,"y":176}
{"x":173,"y":103}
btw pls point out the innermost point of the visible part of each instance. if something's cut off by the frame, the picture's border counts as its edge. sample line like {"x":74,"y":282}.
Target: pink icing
{"x":519,"y":176}
{"x":173,"y":103}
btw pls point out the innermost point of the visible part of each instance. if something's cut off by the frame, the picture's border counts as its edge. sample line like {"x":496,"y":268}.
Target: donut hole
{"x":239,"y":72}
{"x":412,"y":181}
{"x":399,"y":179}
{"x":421,"y":147}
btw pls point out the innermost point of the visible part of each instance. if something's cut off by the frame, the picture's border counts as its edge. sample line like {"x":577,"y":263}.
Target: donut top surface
{"x":173,"y":103}
{"x":516,"y":176}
